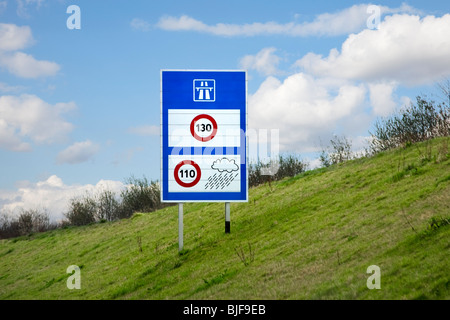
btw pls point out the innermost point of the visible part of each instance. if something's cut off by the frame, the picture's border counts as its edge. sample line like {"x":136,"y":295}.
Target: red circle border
{"x":190,"y":184}
{"x":213,"y":133}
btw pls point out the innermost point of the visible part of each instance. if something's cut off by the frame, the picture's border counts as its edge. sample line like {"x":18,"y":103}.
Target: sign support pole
{"x":180,"y":226}
{"x":227,"y":217}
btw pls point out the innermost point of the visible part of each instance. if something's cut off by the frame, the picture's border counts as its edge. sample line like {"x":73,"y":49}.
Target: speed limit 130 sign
{"x":203,"y":136}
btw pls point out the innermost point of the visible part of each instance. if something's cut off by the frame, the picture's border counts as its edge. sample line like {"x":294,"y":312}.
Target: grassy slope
{"x":309,"y":237}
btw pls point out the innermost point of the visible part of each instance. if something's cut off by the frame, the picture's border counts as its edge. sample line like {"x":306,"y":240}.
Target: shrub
{"x":339,"y":151}
{"x":140,"y":196}
{"x":287,"y":166}
{"x":9,"y":228}
{"x":27,"y":222}
{"x":107,"y":206}
{"x":418,"y":122}
{"x":82,"y":211}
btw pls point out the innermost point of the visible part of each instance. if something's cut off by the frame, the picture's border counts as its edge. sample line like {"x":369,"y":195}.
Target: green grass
{"x":307,"y":237}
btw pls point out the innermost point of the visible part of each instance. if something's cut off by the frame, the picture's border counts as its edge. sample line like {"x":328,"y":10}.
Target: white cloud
{"x":147,"y":130}
{"x":14,"y":38}
{"x":304,"y":108}
{"x":27,"y":116}
{"x":78,"y":152}
{"x":25,"y":66}
{"x":346,"y":21}
{"x":381,"y":98}
{"x":51,"y":194}
{"x":344,"y":92}
{"x":264,"y":62}
{"x":9,"y":139}
{"x":405,"y":48}
{"x":343,"y":22}
{"x":140,"y":25}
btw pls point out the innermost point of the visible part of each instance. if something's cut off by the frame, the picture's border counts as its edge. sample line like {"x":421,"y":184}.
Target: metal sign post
{"x":180,"y":226}
{"x":227,"y":217}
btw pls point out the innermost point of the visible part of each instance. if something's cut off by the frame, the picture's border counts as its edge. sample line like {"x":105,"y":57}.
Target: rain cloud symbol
{"x":224,"y":164}
{"x":225,"y":176}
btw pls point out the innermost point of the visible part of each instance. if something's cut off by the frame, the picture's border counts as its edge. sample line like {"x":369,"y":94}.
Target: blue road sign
{"x":203,"y":136}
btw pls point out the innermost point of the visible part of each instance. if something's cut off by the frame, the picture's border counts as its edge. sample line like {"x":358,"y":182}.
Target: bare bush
{"x":285,"y":166}
{"x":26,"y":222}
{"x":9,"y":227}
{"x":82,"y":211}
{"x":140,"y":196}
{"x":107,"y":206}
{"x":418,"y":122}
{"x":339,"y":151}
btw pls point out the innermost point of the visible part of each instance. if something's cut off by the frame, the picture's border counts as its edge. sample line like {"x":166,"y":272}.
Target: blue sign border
{"x":177,"y":93}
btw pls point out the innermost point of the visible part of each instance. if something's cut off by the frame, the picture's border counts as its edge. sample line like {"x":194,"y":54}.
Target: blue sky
{"x":80,"y":109}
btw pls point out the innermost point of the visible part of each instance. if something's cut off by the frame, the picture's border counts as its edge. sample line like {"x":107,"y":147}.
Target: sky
{"x":80,"y":86}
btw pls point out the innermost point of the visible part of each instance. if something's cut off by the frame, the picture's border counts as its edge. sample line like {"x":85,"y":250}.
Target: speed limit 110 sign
{"x":203,"y":136}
